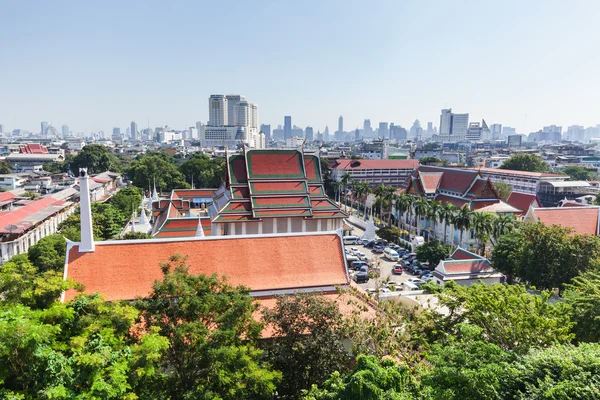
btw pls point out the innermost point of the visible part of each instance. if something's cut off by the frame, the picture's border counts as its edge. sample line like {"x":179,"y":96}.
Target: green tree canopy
{"x":583,"y":295}
{"x":503,"y":189}
{"x":134,"y":235}
{"x":159,"y":167}
{"x":96,"y":158}
{"x":5,"y":168}
{"x":391,"y":234}
{"x":433,"y":252}
{"x":578,"y":173}
{"x":309,"y":345}
{"x":211,"y":332}
{"x":49,"y":253}
{"x":525,"y":162}
{"x":127,"y":199}
{"x":107,"y":222}
{"x":205,"y":171}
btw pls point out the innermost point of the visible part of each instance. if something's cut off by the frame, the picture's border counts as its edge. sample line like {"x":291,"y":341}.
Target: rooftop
{"x":375,"y":164}
{"x":582,"y":220}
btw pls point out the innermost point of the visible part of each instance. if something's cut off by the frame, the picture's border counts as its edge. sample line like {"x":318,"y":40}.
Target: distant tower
{"x":309,"y":134}
{"x":133,"y":130}
{"x":340,"y":132}
{"x":217,"y":110}
{"x":287,"y":127}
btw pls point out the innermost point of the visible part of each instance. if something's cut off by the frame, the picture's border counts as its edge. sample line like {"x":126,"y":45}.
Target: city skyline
{"x":92,"y":71}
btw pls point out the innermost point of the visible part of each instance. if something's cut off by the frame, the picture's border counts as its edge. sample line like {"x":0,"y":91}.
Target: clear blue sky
{"x":521,"y":63}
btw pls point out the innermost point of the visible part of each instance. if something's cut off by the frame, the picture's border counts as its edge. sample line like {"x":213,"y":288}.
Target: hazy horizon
{"x":95,"y":66}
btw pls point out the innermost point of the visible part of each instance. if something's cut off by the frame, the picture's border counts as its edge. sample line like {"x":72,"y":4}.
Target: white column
{"x":289,"y":225}
{"x":260,"y":228}
{"x":274,"y":225}
{"x":243,"y":228}
{"x":303,"y":225}
{"x":217,"y":231}
{"x":4,"y":250}
{"x":232,"y":228}
{"x":319,"y":225}
{"x":329,"y":225}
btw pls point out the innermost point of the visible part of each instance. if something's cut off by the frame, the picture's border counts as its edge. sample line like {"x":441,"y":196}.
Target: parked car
{"x":427,"y":277}
{"x":362,"y":276}
{"x":357,"y":265}
{"x":377,"y":249}
{"x":365,"y":242}
{"x":362,"y":256}
{"x":416,"y":281}
{"x":370,"y":244}
{"x":351,"y":257}
{"x":354,"y":250}
{"x":391,"y":284}
{"x":397,"y":270}
{"x":394,"y":246}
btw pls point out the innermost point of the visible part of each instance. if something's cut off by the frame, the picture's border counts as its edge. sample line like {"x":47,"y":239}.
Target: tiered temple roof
{"x":465,"y":265}
{"x":273,"y":183}
{"x":174,"y":216}
{"x":457,"y":187}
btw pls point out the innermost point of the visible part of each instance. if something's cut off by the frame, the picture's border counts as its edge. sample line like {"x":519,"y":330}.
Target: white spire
{"x":133,"y":220}
{"x":87,"y":244}
{"x":199,"y":230}
{"x":154,"y":193}
{"x":143,"y":220}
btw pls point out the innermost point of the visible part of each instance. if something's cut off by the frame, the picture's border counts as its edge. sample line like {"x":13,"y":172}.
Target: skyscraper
{"x":340,"y":127}
{"x":367,"y":130}
{"x":266,"y":129}
{"x":233,"y":102}
{"x":430,"y":128}
{"x":116,"y":133}
{"x":1,"y":128}
{"x":44,"y":128}
{"x":198,"y":125}
{"x":287,"y":127}
{"x":460,"y":124}
{"x":308,"y":133}
{"x":133,"y":131}
{"x":383,"y":131}
{"x":357,"y":135}
{"x":446,"y":122}
{"x":65,"y":130}
{"x":326,"y":134}
{"x":217,"y":110}
{"x":496,"y":130}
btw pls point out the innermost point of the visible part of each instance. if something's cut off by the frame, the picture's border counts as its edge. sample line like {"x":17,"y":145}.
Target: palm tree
{"x":502,"y":225}
{"x":337,"y":185}
{"x":346,"y":178}
{"x":421,"y":210}
{"x":368,"y":190}
{"x":435,"y":210}
{"x":359,"y":190}
{"x":402,"y":204}
{"x":446,"y":215}
{"x":483,"y":224}
{"x":462,"y":221}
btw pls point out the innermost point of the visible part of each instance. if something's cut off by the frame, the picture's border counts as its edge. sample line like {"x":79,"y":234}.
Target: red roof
{"x":6,"y":196}
{"x":452,"y":200}
{"x":17,"y":216}
{"x":522,"y":201}
{"x":281,"y":202}
{"x":312,"y":168}
{"x":240,"y":192}
{"x":124,"y":271}
{"x":283,"y":187}
{"x":462,"y":254}
{"x":472,"y":267}
{"x":281,"y":164}
{"x":237,"y":169}
{"x":581,"y":220}
{"x":34,"y":148}
{"x":430,"y":181}
{"x":191,"y":193}
{"x":376,"y":164}
{"x":236,"y":207}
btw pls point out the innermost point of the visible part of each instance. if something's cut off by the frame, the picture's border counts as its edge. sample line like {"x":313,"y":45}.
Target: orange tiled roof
{"x":522,"y":201}
{"x":430,"y":181}
{"x":123,"y":270}
{"x":278,"y":187}
{"x":312,"y":167}
{"x":582,"y":220}
{"x":282,"y":164}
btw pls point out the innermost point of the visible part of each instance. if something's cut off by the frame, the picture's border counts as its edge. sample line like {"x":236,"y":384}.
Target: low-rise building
{"x":25,"y":162}
{"x":466,"y":268}
{"x":582,"y":220}
{"x":375,"y":172}
{"x":521,"y":181}
{"x":12,"y":181}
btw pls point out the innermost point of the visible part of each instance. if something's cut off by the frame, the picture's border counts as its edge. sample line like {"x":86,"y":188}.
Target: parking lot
{"x":379,"y":263}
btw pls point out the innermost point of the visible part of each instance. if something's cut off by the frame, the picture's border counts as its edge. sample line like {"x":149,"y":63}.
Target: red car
{"x":397,"y":270}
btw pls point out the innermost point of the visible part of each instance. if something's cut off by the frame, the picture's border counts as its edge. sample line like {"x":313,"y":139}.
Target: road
{"x":385,"y":266}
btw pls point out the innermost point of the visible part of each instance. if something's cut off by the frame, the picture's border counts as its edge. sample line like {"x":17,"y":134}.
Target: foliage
{"x":49,"y":253}
{"x":547,"y":256}
{"x":503,"y":189}
{"x":211,"y":334}
{"x":55,"y":167}
{"x":127,"y":200}
{"x":430,"y":160}
{"x":508,"y":315}
{"x":583,"y":295}
{"x":107,"y":222}
{"x":391,"y":234}
{"x":153,"y":167}
{"x":525,"y":162}
{"x":309,"y":345}
{"x":5,"y":168}
{"x":432,"y":252}
{"x":134,"y":235}
{"x":96,"y":158}
{"x":371,"y":379}
{"x":206,"y":172}
{"x":22,"y":283}
{"x":483,"y":223}
{"x":578,"y":173}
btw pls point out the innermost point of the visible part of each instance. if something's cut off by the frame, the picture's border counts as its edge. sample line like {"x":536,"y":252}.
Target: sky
{"x":524,"y":64}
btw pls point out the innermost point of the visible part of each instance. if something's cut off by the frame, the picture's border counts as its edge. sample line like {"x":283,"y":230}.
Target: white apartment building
{"x":375,"y":172}
{"x":217,"y":110}
{"x":521,"y":181}
{"x":232,"y":120}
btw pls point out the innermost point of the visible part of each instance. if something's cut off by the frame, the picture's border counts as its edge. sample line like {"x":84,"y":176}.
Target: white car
{"x":416,"y":281}
{"x":391,"y":284}
{"x":427,"y":277}
{"x":354,"y":250}
{"x":362,"y":256}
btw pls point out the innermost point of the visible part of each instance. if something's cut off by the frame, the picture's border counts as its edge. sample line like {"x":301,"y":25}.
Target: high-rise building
{"x":287,"y":127}
{"x":341,"y":125}
{"x":308,"y":133}
{"x":326,"y":134}
{"x":446,"y":122}
{"x":217,"y":110}
{"x":367,"y":130}
{"x":133,"y":131}
{"x":496,"y":130}
{"x":357,"y":135}
{"x":398,"y":133}
{"x":430,"y":128}
{"x":416,"y":130}
{"x":44,"y":128}
{"x":233,"y":102}
{"x":460,"y":124}
{"x":1,"y":128}
{"x":65,"y":130}
{"x":116,"y":133}
{"x":266,"y":129}
{"x":383,"y":131}
{"x":508,"y":131}
{"x":198,"y":125}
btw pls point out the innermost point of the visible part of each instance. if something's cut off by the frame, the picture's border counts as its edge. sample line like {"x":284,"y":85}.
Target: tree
{"x":309,"y":345}
{"x":583,"y":295}
{"x":483,"y":223}
{"x":503,"y":189}
{"x":391,"y":234}
{"x":434,"y":214}
{"x":107,"y":222}
{"x":211,"y":333}
{"x":578,"y":173}
{"x":206,"y":172}
{"x":54,"y":167}
{"x":385,"y":196}
{"x":134,"y":236}
{"x":49,"y":253}
{"x":508,"y":315}
{"x":502,"y":225}
{"x":432,"y":252}
{"x":5,"y":168}
{"x":127,"y":200}
{"x":525,"y":162}
{"x":371,"y":379}
{"x":159,"y":167}
{"x":421,"y":208}
{"x":506,"y":255}
{"x":96,"y":158}
{"x":462,"y":221}
{"x":430,"y":161}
